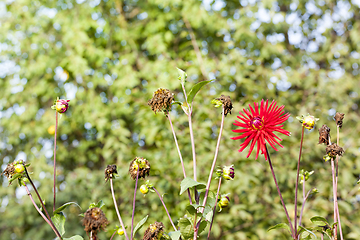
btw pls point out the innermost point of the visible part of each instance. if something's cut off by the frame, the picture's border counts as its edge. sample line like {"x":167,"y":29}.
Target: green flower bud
{"x":224,"y":201}
{"x":228,"y":172}
{"x":19,"y":168}
{"x":120,"y":231}
{"x":308,"y":121}
{"x":61,"y":105}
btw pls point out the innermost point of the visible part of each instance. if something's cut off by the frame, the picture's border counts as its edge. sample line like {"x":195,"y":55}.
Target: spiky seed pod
{"x":333,"y":150}
{"x":94,"y":221}
{"x":154,"y":231}
{"x":161,"y":101}
{"x":110,"y":170}
{"x":139,"y":163}
{"x":226,"y":101}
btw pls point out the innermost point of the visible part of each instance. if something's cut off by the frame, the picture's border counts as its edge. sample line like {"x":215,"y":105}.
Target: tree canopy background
{"x":108,"y":57}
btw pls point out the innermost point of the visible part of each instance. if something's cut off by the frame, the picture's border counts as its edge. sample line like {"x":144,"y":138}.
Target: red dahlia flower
{"x":258,"y":126}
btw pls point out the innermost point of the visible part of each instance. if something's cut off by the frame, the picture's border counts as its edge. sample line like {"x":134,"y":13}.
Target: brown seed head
{"x":161,"y":100}
{"x":154,"y":231}
{"x":110,"y":170}
{"x":139,"y":163}
{"x":9,"y":170}
{"x":339,"y":119}
{"x":324,"y":134}
{"x":94,"y":220}
{"x":226,"y":100}
{"x":334,"y":149}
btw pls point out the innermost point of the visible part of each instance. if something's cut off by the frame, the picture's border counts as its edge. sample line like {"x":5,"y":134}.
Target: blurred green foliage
{"x":108,"y":57}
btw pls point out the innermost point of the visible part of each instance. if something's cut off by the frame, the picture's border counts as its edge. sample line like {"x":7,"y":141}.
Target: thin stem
{"x":336,"y":180}
{"x":214,"y":211}
{"x":41,"y":201}
{"x":297,"y":178}
{"x":117,"y":210}
{"x":322,"y":236}
{"x":56,"y":126}
{"x":113,"y":235}
{"x":42,"y":215}
{"x":281,"y":198}
{"x":192,"y":145}
{"x":334,"y":194}
{"x":304,"y":199}
{"x":215,"y":158}
{"x":133,"y":212}
{"x":179,"y":152}
{"x":167,"y":212}
{"x":302,"y":208}
{"x":196,"y":229}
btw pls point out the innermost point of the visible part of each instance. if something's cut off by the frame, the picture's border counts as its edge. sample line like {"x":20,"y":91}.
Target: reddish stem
{"x":56,"y":126}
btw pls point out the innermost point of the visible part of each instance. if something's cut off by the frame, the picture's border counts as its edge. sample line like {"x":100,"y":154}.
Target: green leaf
{"x":202,"y":226}
{"x":175,"y":235}
{"x":186,"y":228}
{"x":177,"y":102}
{"x":195,"y":89}
{"x":208,"y":213}
{"x":140,"y":224}
{"x":100,"y":204}
{"x":65,"y":206}
{"x":182,"y":76}
{"x":191,"y":209}
{"x":76,"y":237}
{"x":320,"y":221}
{"x":189,"y":183}
{"x":280,"y":225}
{"x":59,"y":222}
{"x":305,"y":232}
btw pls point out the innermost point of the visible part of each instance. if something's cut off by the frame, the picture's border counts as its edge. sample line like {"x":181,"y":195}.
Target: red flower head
{"x":259,"y":124}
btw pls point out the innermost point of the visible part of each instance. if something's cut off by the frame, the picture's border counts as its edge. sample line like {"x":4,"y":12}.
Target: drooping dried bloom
{"x":339,"y":119}
{"x":324,"y":134}
{"x":110,"y":170}
{"x":161,"y":100}
{"x":61,"y":105}
{"x":154,"y":231}
{"x":226,"y":101}
{"x":139,"y":163}
{"x":9,"y":170}
{"x":94,"y":221}
{"x":258,"y":126}
{"x":14,"y":170}
{"x":334,"y":149}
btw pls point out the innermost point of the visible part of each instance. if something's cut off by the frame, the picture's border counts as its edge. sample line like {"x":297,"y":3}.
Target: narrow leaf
{"x":280,"y":225}
{"x":59,"y":222}
{"x":195,"y":89}
{"x":65,"y":206}
{"x":76,"y":237}
{"x":189,"y":183}
{"x":320,"y":221}
{"x":140,"y":224}
{"x":305,"y":230}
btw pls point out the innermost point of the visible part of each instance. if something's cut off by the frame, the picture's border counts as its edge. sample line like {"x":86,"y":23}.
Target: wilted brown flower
{"x":139,"y":163}
{"x":94,"y":220}
{"x":110,"y":170}
{"x":334,"y":149}
{"x":324,"y":134}
{"x":339,"y":119}
{"x":9,"y":170}
{"x":154,"y":231}
{"x":161,"y":100}
{"x":226,"y":101}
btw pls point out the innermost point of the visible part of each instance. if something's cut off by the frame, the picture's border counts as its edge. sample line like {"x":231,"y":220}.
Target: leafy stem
{"x":167,"y":212}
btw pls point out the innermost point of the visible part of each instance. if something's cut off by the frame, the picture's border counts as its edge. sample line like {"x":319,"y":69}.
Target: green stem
{"x":293,"y":234}
{"x":297,"y":178}
{"x":214,"y":211}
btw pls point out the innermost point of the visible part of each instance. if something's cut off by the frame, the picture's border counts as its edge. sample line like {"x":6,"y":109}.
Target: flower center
{"x":257,"y":123}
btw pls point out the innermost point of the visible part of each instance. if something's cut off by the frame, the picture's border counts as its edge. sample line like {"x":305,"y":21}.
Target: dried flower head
{"x":139,"y":163}
{"x":339,"y":119}
{"x":324,"y":134}
{"x":94,"y":221}
{"x":258,"y":126}
{"x":161,"y":100}
{"x":334,"y":149}
{"x":15,"y":170}
{"x":226,"y":101}
{"x":61,"y":105}
{"x":110,"y":170}
{"x":154,"y":231}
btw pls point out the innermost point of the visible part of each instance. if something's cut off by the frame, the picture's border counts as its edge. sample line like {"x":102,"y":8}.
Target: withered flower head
{"x":139,"y":163}
{"x":161,"y":100}
{"x":9,"y":170}
{"x":110,"y":170}
{"x":94,"y":220}
{"x":154,"y":231}
{"x":226,"y":101}
{"x":334,"y":149}
{"x":14,"y":170}
{"x":339,"y":119}
{"x":324,"y":134}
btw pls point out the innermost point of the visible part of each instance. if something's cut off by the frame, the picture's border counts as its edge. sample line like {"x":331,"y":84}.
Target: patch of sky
{"x":70,"y":90}
{"x":142,"y":16}
{"x":312,"y":9}
{"x":277,"y":18}
{"x":94,"y":3}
